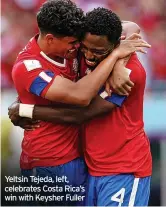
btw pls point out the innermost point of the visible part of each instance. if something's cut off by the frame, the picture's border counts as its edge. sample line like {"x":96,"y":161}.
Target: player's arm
{"x":35,"y":79}
{"x":70,"y":115}
{"x":119,"y":79}
{"x":66,"y":114}
{"x":97,"y":107}
{"x":100,"y":105}
{"x":82,"y":92}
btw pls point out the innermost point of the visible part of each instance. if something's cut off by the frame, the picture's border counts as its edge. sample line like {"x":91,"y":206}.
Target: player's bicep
{"x":64,"y":91}
{"x":97,"y":107}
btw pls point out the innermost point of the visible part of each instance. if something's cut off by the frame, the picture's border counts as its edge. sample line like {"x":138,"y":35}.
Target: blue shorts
{"x":66,"y":185}
{"x":118,"y":190}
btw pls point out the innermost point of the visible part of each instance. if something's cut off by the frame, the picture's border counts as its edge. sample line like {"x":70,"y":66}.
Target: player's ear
{"x":49,"y":38}
{"x":123,"y":37}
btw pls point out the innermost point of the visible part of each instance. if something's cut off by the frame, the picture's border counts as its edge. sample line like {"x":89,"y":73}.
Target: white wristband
{"x":26,"y":110}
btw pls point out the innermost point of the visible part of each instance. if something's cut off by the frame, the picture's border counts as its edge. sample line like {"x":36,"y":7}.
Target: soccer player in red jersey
{"x":41,"y":82}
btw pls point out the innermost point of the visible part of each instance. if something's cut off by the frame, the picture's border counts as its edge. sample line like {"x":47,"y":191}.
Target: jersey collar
{"x":35,"y":47}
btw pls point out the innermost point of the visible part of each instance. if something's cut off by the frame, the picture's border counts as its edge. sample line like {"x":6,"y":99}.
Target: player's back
{"x":116,"y":142}
{"x":51,"y":144}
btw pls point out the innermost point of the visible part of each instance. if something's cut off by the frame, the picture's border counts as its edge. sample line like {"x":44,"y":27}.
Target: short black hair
{"x":60,"y":18}
{"x":104,"y":22}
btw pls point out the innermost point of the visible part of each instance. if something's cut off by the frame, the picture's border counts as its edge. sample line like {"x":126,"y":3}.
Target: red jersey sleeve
{"x":32,"y":77}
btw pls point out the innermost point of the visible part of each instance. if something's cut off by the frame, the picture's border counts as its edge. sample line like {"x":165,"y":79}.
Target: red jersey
{"x":33,"y":73}
{"x":116,"y":143}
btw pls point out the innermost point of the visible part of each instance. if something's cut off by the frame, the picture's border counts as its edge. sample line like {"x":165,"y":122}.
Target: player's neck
{"x":43,"y":48}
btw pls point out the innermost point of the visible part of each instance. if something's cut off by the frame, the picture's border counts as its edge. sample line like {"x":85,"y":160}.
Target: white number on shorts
{"x":119,"y":196}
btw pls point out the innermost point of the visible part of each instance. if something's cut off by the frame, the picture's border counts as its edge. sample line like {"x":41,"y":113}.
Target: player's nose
{"x":89,"y":55}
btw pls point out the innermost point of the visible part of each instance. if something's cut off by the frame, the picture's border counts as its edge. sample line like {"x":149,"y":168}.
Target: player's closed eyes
{"x":96,"y":52}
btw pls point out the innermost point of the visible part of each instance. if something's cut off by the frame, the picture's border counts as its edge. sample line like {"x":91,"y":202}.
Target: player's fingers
{"x":122,"y":91}
{"x":118,"y":89}
{"x":35,"y":121}
{"x":137,"y":42}
{"x":142,"y":44}
{"x":134,"y":36}
{"x":29,"y":121}
{"x":10,"y":114}
{"x":138,"y":49}
{"x":15,"y":123}
{"x":34,"y":126}
{"x":13,"y":118}
{"x":107,"y":88}
{"x":30,"y":127}
{"x":130,"y":83}
{"x":127,"y":88}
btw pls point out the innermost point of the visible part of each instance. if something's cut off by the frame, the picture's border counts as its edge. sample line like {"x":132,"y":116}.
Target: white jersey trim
{"x":45,"y":77}
{"x":104,"y":95}
{"x":53,"y":61}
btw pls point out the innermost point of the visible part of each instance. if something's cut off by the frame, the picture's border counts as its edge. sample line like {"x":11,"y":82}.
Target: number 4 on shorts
{"x":119,"y":196}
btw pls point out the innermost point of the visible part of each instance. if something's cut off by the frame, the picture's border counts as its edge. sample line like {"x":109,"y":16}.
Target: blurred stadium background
{"x":18,"y":25}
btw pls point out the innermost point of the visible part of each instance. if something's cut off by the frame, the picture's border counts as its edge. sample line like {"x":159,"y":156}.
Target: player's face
{"x":65,"y":47}
{"x":95,"y":49}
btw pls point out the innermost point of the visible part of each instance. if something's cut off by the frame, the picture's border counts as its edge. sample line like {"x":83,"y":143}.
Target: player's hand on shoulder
{"x":119,"y":80}
{"x":132,"y":44}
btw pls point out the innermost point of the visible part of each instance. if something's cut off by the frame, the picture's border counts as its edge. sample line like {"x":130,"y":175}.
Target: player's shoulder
{"x":27,"y":64}
{"x":138,"y":73}
{"x":24,"y":67}
{"x":134,"y":63}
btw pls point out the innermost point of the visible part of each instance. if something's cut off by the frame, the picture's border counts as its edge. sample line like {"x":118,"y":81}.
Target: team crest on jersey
{"x":75,"y":65}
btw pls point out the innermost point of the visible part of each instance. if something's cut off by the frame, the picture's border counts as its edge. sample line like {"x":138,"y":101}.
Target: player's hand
{"x":131,"y":45}
{"x":13,"y":112}
{"x":25,"y":123}
{"x":134,"y":36}
{"x":120,"y":81}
